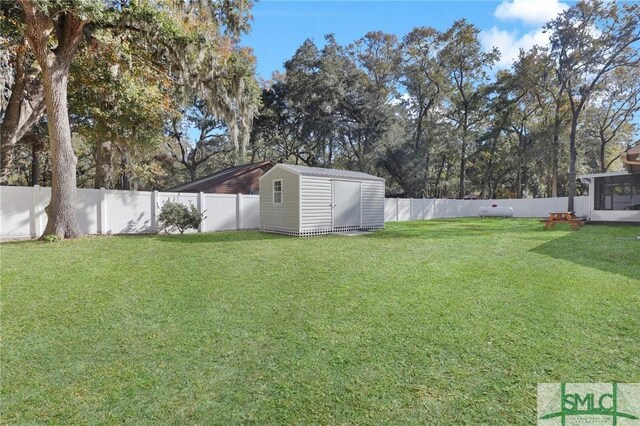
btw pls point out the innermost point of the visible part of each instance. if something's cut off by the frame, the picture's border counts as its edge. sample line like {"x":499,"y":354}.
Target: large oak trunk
{"x":61,"y":211}
{"x":55,"y":64}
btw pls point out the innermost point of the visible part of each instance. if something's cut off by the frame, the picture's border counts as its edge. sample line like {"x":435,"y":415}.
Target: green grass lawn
{"x":438,"y":322}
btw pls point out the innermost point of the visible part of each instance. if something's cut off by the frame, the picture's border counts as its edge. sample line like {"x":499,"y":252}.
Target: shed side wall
{"x":372,"y":203}
{"x":287,"y":214}
{"x":316,"y":202}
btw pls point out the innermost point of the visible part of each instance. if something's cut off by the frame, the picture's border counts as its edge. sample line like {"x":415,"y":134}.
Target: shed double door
{"x":346,"y":203}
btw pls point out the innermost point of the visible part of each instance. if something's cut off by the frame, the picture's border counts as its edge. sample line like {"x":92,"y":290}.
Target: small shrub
{"x":51,"y":238}
{"x":175,"y":215}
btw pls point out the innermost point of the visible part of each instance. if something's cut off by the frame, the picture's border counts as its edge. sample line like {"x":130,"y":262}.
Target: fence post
{"x":410,"y":208}
{"x":238,"y":211}
{"x":34,"y":213}
{"x":397,"y":209}
{"x":154,"y":211}
{"x":102,"y":212}
{"x":201,"y":210}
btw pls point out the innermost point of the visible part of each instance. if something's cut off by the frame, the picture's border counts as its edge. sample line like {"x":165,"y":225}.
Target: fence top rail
{"x":121,"y":192}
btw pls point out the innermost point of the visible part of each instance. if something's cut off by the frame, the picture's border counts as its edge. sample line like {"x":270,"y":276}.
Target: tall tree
{"x":534,"y":70}
{"x":589,"y":41}
{"x":196,"y":40}
{"x":612,"y":108}
{"x":466,"y":66}
{"x":421,"y":76}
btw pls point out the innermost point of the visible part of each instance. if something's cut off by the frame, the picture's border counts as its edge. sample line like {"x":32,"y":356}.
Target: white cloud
{"x":532,"y":12}
{"x":509,"y":43}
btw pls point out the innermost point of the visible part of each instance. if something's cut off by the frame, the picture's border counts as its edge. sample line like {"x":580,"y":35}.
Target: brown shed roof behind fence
{"x":204,"y":184}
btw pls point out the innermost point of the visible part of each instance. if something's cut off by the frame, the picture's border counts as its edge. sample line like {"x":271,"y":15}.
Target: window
{"x":617,"y":193}
{"x":277,"y":191}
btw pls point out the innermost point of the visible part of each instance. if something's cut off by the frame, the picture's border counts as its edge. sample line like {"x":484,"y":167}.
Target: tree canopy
{"x":182,"y":49}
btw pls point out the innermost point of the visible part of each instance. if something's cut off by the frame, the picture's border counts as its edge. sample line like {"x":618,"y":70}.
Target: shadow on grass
{"x":217,"y":237}
{"x":612,"y":249}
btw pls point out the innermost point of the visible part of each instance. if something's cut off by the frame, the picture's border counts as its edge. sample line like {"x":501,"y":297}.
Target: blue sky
{"x":280,"y":27}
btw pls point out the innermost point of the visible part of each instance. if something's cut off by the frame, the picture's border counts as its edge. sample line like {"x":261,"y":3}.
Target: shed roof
{"x":329,"y":173}
{"x":218,"y":177}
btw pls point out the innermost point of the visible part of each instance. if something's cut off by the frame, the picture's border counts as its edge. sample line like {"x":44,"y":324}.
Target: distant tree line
{"x":427,"y":112}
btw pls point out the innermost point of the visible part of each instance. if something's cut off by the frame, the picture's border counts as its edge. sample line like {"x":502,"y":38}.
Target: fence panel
{"x":87,"y":210}
{"x":390,"y":209}
{"x":127,"y":212}
{"x":250,"y":212}
{"x":453,"y":208}
{"x":221,"y":212}
{"x":15,"y":215}
{"x":404,"y":209}
{"x":418,"y":208}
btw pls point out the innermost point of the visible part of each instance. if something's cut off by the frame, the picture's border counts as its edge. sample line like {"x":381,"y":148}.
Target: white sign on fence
{"x":102,"y":211}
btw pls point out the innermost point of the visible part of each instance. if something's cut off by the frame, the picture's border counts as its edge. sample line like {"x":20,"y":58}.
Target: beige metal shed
{"x":304,"y":201}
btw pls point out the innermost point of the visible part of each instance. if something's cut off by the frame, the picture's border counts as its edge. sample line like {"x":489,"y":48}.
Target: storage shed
{"x":304,"y":201}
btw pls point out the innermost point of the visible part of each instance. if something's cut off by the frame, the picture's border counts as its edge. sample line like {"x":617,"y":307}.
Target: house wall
{"x":372,"y":203}
{"x":315,"y":206}
{"x":247,"y":183}
{"x":285,"y":216}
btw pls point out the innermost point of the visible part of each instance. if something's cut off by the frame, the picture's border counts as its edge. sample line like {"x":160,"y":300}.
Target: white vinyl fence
{"x":102,"y":211}
{"x":404,"y":209}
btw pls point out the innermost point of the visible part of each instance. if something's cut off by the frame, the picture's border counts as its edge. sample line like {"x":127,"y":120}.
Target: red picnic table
{"x":566,"y":217}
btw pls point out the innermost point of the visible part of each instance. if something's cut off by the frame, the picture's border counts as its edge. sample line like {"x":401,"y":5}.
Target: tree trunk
{"x":102,"y":177}
{"x":603,"y":145}
{"x":11,"y":118}
{"x":124,"y":182}
{"x":519,"y":171}
{"x":24,"y":108}
{"x":436,"y":189}
{"x":61,"y":211}
{"x":463,"y":167}
{"x":554,"y":172}
{"x":463,"y":158}
{"x":425,"y":188}
{"x":573,"y":154}
{"x":555,"y":152}
{"x":39,"y":31}
{"x":35,"y":165}
{"x":37,"y":145}
{"x":447,"y":176}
